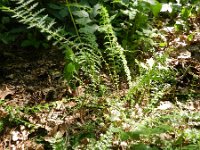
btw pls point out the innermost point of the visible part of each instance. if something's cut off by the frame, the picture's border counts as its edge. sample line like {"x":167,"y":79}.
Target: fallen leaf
{"x":165,"y":105}
{"x":70,"y":104}
{"x":3,"y":113}
{"x":6,"y":93}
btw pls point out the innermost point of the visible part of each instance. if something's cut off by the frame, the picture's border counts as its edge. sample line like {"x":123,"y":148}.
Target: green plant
{"x":153,"y":81}
{"x":113,"y":49}
{"x":183,"y":13}
{"x":131,"y":21}
{"x":14,"y":33}
{"x":58,"y":143}
{"x":1,"y":125}
{"x":82,"y":52}
{"x":85,"y":54}
{"x":104,"y":142}
{"x":33,"y":40}
{"x":7,"y":35}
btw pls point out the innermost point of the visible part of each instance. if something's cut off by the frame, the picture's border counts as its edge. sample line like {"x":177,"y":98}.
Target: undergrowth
{"x":107,"y":46}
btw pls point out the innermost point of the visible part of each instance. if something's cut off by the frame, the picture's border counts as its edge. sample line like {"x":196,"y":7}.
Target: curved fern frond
{"x":27,"y":13}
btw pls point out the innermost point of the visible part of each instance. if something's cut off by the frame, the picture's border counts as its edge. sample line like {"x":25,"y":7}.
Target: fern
{"x":81,"y":50}
{"x":90,"y":56}
{"x":85,"y":54}
{"x":114,"y":50}
{"x":27,"y":13}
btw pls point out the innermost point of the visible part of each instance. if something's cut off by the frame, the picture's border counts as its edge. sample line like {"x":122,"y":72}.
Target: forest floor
{"x":37,"y":107}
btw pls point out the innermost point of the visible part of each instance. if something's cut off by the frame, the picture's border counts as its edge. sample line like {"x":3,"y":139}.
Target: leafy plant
{"x":8,"y":36}
{"x":27,"y":13}
{"x":114,"y":50}
{"x":32,"y":40}
{"x":155,"y":78}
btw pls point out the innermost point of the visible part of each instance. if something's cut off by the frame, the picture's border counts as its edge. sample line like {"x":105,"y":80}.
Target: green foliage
{"x":182,"y":13}
{"x":8,"y":36}
{"x":131,"y":20}
{"x":32,"y":40}
{"x":4,"y":2}
{"x":156,"y":129}
{"x":153,"y":81}
{"x":91,"y":21}
{"x":104,"y":142}
{"x":11,"y":32}
{"x":112,"y":38}
{"x":87,"y":55}
{"x":114,"y":50}
{"x":1,"y":125}
{"x":59,"y":143}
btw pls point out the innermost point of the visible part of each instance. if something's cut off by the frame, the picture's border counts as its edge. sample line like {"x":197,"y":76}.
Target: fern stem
{"x":70,"y":12}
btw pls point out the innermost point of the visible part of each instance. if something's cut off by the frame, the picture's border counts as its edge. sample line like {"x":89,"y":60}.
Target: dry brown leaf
{"x":70,"y":104}
{"x":3,"y":113}
{"x":30,"y":145}
{"x":165,"y":136}
{"x":5,"y":93}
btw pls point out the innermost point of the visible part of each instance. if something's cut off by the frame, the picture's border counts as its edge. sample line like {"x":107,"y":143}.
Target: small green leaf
{"x":178,"y":27}
{"x":69,"y":71}
{"x":124,"y":136}
{"x":190,"y":37}
{"x":163,"y":44}
{"x":83,"y":21}
{"x":130,"y":135}
{"x":89,"y":29}
{"x":186,"y":12}
{"x":156,"y":8}
{"x":69,"y":54}
{"x":81,"y":13}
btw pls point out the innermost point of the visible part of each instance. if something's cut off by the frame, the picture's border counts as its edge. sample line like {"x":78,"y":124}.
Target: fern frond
{"x":28,"y":13}
{"x":114,"y":49}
